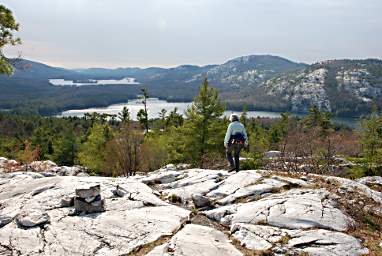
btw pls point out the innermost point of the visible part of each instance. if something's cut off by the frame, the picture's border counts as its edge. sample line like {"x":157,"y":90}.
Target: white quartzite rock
{"x":198,"y":240}
{"x":314,"y":242}
{"x":373,"y":180}
{"x":270,"y":216}
{"x":31,"y":218}
{"x":351,"y":185}
{"x":234,"y":183}
{"x":128,"y":222}
{"x":297,"y":208}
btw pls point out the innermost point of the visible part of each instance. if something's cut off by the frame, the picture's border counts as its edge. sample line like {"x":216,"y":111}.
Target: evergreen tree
{"x":65,"y":149}
{"x":92,"y":151}
{"x":318,"y":119}
{"x":8,"y":26}
{"x":279,"y":131}
{"x":244,"y":116}
{"x":143,"y":116}
{"x":203,"y":129}
{"x":162,"y":118}
{"x":371,"y":139}
{"x":259,"y":144}
{"x":42,"y":138}
{"x":174,"y":119}
{"x":124,"y":116}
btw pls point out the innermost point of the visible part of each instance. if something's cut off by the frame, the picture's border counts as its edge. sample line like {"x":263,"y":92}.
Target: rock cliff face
{"x":337,"y":86}
{"x":176,"y":211}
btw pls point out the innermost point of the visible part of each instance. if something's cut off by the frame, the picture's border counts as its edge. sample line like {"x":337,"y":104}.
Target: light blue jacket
{"x":235,"y":128}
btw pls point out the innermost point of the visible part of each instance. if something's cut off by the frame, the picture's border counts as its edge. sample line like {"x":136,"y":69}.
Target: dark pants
{"x":235,"y":149}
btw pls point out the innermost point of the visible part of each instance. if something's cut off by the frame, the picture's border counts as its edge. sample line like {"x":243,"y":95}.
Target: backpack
{"x":237,"y":138}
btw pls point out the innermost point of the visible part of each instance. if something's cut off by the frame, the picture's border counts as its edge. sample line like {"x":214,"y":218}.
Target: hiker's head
{"x":233,"y":118}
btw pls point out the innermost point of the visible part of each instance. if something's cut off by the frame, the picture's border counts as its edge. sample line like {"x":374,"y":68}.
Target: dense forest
{"x":114,"y":145}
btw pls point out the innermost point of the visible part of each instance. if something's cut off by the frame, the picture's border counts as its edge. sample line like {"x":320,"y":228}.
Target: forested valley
{"x":114,"y":145}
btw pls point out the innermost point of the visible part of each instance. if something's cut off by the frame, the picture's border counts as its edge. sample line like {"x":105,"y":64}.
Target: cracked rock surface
{"x":197,"y":240}
{"x":128,"y":223}
{"x":258,"y":210}
{"x":282,"y":215}
{"x":313,"y":242}
{"x":294,"y":209}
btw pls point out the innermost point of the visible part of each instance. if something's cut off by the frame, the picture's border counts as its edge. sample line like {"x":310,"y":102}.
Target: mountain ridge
{"x":262,"y":82}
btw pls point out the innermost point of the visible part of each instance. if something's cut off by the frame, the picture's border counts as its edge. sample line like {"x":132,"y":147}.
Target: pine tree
{"x":174,"y":119}
{"x":92,"y":151}
{"x":244,"y":116}
{"x":143,"y":116}
{"x":124,"y":116}
{"x":371,"y":139}
{"x":65,"y":149}
{"x":162,"y":119}
{"x":203,"y":129}
{"x":8,"y":26}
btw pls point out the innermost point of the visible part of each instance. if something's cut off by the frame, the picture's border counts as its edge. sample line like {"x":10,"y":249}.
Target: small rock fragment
{"x":67,"y":201}
{"x":272,"y":154}
{"x":119,"y":192}
{"x":81,"y":206}
{"x":88,"y":192}
{"x":201,"y":201}
{"x":4,"y":220}
{"x":89,"y":200}
{"x":32,"y":218}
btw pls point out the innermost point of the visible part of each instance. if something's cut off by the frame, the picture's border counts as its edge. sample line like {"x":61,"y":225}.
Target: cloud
{"x":170,"y":32}
{"x":162,"y":24}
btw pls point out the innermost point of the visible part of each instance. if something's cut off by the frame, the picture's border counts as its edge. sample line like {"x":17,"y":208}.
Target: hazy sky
{"x":113,"y":33}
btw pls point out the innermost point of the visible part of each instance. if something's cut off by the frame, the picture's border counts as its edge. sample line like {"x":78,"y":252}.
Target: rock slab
{"x":197,"y":240}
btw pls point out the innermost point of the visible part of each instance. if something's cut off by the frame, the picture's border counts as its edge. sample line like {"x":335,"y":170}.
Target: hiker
{"x":235,"y":139}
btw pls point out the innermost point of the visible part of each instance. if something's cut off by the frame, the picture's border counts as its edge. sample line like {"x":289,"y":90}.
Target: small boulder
{"x":88,"y":192}
{"x":67,"y":201}
{"x":119,"y":192}
{"x":32,"y":218}
{"x":4,"y":220}
{"x":82,"y":174}
{"x":48,"y":174}
{"x":88,"y":200}
{"x":272,"y":154}
{"x":42,"y":166}
{"x":81,"y":206}
{"x":201,"y":201}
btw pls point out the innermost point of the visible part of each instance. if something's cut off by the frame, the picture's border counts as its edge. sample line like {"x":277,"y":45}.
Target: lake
{"x":156,"y":105}
{"x":63,"y":82}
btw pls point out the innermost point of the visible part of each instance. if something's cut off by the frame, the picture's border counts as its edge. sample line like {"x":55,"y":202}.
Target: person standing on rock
{"x":235,"y":139}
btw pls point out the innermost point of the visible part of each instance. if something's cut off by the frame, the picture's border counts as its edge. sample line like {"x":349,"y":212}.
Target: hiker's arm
{"x":227,"y":135}
{"x":245,"y":136}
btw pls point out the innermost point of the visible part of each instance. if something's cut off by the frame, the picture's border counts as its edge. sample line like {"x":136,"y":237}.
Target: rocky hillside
{"x":262,"y":82}
{"x":250,"y":70}
{"x":180,"y":211}
{"x":339,"y":86}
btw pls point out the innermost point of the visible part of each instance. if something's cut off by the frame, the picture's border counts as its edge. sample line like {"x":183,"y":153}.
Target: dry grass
{"x":368,"y":226}
{"x":143,"y":250}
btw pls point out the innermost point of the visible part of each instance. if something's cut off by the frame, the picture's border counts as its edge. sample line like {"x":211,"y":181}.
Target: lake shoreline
{"x":157,"y":104}
{"x":234,"y":109}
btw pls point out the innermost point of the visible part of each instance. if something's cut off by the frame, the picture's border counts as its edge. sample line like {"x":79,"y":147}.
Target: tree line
{"x":115,"y":145}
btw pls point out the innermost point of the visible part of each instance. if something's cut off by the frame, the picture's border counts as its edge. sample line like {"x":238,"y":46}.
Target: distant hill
{"x":344,"y":87}
{"x":262,"y":82}
{"x":38,"y":71}
{"x":251,"y":70}
{"x":241,"y":71}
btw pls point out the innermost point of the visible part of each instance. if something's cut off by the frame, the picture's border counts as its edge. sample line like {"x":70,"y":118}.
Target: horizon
{"x":188,"y":64}
{"x":167,"y":33}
